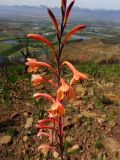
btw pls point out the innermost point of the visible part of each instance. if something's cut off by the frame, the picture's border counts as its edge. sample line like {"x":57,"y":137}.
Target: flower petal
{"x":76,"y":74}
{"x":37,"y":79}
{"x":57,"y":109}
{"x":33,"y":65}
{"x":65,"y":91}
{"x":38,"y":95}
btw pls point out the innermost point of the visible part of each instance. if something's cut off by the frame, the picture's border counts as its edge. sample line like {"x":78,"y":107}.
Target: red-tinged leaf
{"x":53,"y":19}
{"x":68,"y":11}
{"x":42,"y":39}
{"x":72,"y":31}
{"x":63,"y":4}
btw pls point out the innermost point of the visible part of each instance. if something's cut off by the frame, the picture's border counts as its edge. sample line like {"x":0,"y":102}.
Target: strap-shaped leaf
{"x":68,"y":11}
{"x":72,"y":31}
{"x":53,"y":19}
{"x":42,"y":39}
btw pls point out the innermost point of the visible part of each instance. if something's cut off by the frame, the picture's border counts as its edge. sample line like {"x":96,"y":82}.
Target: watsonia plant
{"x":52,"y":126}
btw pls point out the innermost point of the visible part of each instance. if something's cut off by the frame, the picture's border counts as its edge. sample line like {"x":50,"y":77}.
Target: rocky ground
{"x":92,"y":122}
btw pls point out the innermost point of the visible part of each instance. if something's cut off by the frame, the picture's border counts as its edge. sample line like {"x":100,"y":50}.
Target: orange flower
{"x":39,"y":95}
{"x":45,"y":148}
{"x":37,"y":79}
{"x":33,"y":65}
{"x":56,"y":109}
{"x":76,"y":74}
{"x":65,"y":91}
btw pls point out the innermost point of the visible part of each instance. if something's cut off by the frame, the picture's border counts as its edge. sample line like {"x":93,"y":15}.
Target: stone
{"x":108,"y":85}
{"x":25,"y":114}
{"x":55,"y":154}
{"x":89,"y":114}
{"x":112,"y":146}
{"x":74,"y":148}
{"x":29,"y":123}
{"x":6,"y":139}
{"x":14,"y":115}
{"x":25,"y":138}
{"x":100,"y":120}
{"x":81,"y":90}
{"x":90,"y":92}
{"x":102,"y":82}
{"x":69,"y":138}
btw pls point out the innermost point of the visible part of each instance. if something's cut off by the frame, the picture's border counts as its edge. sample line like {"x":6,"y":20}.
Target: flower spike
{"x":33,"y":65}
{"x":76,"y":74}
{"x":37,"y":79}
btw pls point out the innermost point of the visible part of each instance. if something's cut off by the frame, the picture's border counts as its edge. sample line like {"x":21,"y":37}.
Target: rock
{"x":112,"y":146}
{"x":81,"y":90}
{"x":5,"y":139}
{"x":89,"y":114}
{"x":25,"y":138}
{"x":25,"y":114}
{"x":102,"y":82}
{"x":29,"y":123}
{"x":90,"y":92}
{"x":108,"y":85}
{"x":55,"y":154}
{"x":112,"y":124}
{"x":69,"y":138}
{"x":74,"y":148}
{"x":14,"y":115}
{"x":90,"y":106}
{"x":78,"y":104}
{"x":100,"y":120}
{"x":28,"y":104}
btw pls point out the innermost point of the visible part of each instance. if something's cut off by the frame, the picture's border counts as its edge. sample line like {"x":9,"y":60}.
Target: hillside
{"x":14,"y":11}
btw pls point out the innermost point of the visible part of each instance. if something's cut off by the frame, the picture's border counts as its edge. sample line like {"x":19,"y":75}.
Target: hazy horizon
{"x":90,"y":4}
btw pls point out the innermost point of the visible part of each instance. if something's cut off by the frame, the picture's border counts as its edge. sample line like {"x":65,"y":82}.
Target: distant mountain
{"x":32,"y":11}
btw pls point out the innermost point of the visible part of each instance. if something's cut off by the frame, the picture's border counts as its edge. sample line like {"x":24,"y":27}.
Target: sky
{"x":91,"y":4}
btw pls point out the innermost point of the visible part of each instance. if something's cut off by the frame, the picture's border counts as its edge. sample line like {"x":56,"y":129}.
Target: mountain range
{"x":33,"y":11}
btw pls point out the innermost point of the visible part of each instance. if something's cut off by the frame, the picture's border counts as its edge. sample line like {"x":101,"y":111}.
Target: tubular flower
{"x":37,"y":79}
{"x":76,"y":74}
{"x":56,"y":109}
{"x":65,"y":91}
{"x":45,"y":148}
{"x":33,"y":65}
{"x":38,"y":95}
